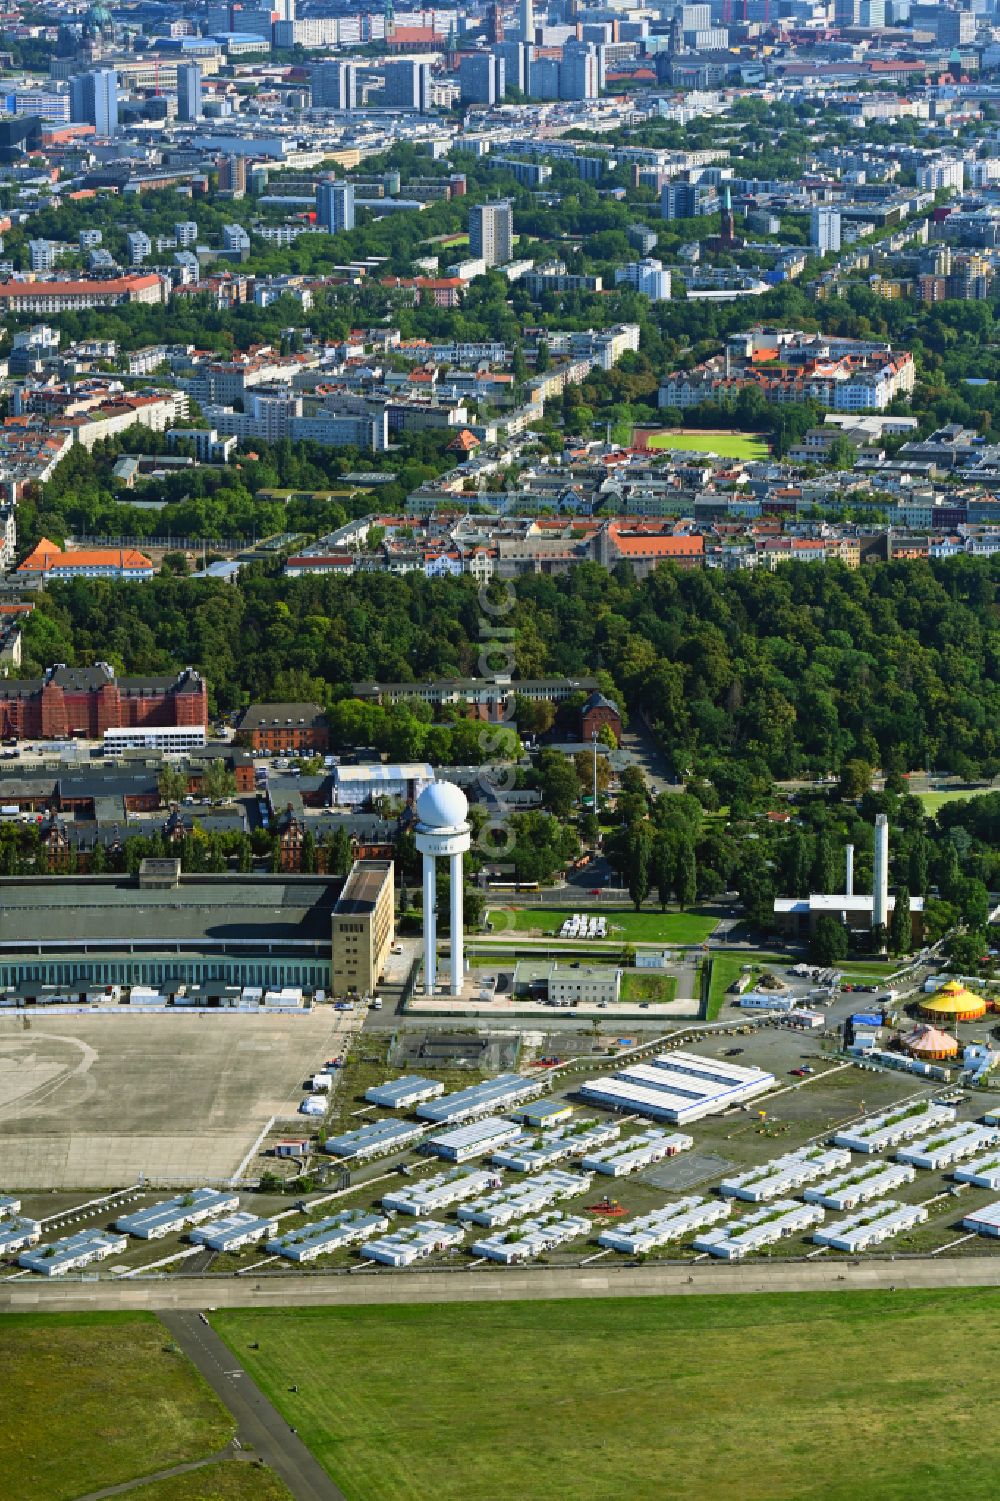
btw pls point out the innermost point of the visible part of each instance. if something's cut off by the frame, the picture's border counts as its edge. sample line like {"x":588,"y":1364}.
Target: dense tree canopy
{"x":801,"y":671}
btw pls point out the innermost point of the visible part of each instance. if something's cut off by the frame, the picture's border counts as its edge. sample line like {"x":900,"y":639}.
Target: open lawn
{"x":629,"y":927}
{"x":727,"y":445}
{"x":239,"y":1481}
{"x":97,"y":1399}
{"x":648,"y":985}
{"x":768,"y":1398}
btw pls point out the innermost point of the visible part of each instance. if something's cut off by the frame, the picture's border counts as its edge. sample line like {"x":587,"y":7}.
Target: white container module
{"x":674,"y":1222}
{"x":631,"y":1153}
{"x":432,"y":1195}
{"x":764,"y":1227}
{"x":859,"y":1185}
{"x":539,"y":1149}
{"x":233,"y":1232}
{"x":475,"y":1139}
{"x":531,"y":1238}
{"x":72,"y":1252}
{"x":524,"y":1197}
{"x":413,"y":1242}
{"x":870,"y":1226}
{"x":939,"y":1149}
{"x":325,"y":1236}
{"x":783,"y":1175}
{"x":985,"y":1221}
{"x":880,"y":1133}
{"x":983,"y":1172}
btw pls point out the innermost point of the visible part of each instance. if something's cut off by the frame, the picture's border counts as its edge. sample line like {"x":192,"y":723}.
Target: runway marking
{"x":971,"y":1236}
{"x":50,"y":1086}
{"x":153,"y":1266}
{"x":244,"y":1269}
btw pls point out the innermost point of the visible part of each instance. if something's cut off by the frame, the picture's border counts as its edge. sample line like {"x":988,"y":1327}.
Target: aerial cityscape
{"x":499,"y":750}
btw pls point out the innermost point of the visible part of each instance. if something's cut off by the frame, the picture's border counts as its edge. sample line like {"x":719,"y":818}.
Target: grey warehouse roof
{"x":208,"y":910}
{"x":377,"y":1135}
{"x":492,"y":1094}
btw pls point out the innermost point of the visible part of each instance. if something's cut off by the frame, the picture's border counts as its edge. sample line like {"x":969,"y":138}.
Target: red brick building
{"x":86,"y":701}
{"x":597,"y":712}
{"x":301,"y":728}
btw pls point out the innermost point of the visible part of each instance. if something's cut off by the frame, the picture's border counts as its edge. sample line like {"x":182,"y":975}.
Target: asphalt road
{"x":601,"y":1279}
{"x":259,"y":1424}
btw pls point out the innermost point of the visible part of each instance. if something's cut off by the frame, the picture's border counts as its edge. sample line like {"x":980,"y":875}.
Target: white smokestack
{"x":880,"y":877}
{"x":849,"y":874}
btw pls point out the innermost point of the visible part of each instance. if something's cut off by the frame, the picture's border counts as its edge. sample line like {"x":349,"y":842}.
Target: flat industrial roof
{"x":362,"y":887}
{"x":488,"y":1130}
{"x":406,"y":771}
{"x":822,"y":902}
{"x":207,"y":910}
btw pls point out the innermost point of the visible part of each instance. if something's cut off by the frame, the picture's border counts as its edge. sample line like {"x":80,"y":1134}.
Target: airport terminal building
{"x":161,"y":928}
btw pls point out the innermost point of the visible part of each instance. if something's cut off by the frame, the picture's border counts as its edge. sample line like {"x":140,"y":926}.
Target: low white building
{"x":859,"y":1185}
{"x":403,"y":1094}
{"x":461,"y":1143}
{"x":634,"y":1152}
{"x":72,"y":1252}
{"x":355,"y":785}
{"x":678,"y":1087}
{"x":532,"y":1238}
{"x":984,"y":1172}
{"x":409,"y":1243}
{"x":372,"y":1140}
{"x":171,"y":1216}
{"x":672,"y":1222}
{"x":782,"y":1176}
{"x":870,"y":1226}
{"x":766,"y":1000}
{"x":324,"y":1236}
{"x":764,"y":1227}
{"x":171,"y":738}
{"x":985,"y":1221}
{"x":17,"y":1234}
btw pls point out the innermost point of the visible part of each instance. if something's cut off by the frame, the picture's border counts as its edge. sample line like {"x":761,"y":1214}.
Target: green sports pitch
{"x":727,"y":445}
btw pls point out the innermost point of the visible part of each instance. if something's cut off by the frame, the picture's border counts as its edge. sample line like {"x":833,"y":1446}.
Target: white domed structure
{"x":442,"y":805}
{"x":443,"y":831}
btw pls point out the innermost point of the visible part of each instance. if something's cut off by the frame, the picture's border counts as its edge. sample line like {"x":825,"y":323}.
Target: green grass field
{"x":93,"y":1400}
{"x":648,"y":985}
{"x":727,"y":445}
{"x":765,"y":1398}
{"x":222,"y":1482}
{"x":623,"y":927}
{"x":932,"y":801}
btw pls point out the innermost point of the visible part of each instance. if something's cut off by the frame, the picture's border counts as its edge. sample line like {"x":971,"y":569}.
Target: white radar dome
{"x":442,"y":805}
